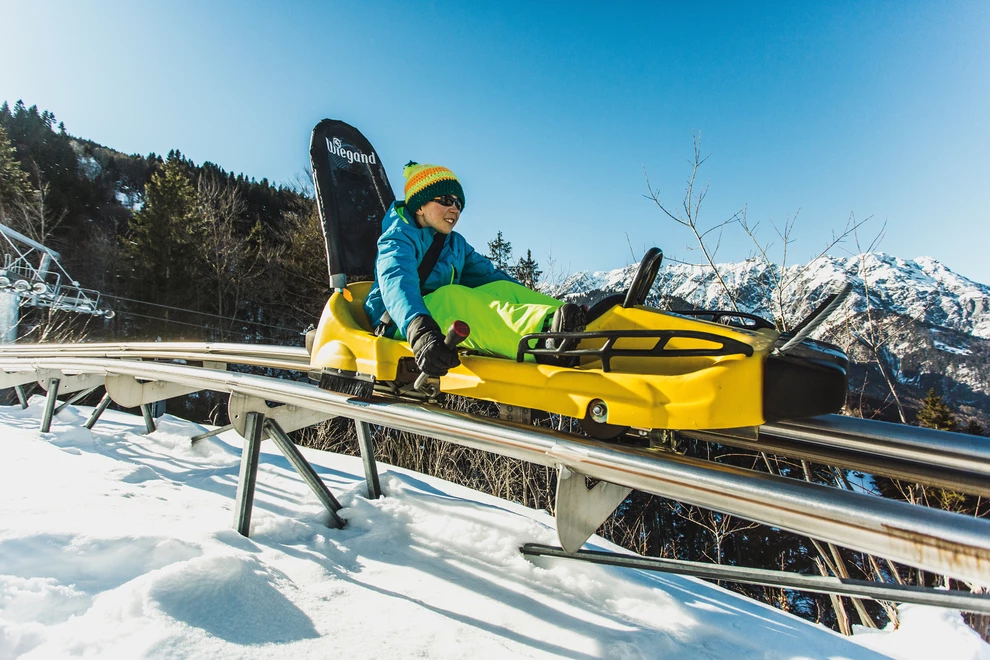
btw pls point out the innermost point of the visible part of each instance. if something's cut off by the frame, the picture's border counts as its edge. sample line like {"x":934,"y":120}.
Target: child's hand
{"x":433,"y":356}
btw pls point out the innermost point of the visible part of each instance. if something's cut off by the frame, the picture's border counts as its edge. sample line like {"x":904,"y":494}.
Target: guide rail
{"x":898,"y":593}
{"x":927,"y":538}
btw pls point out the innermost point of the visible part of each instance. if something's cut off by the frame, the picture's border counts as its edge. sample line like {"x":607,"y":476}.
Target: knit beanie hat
{"x":426,"y":182}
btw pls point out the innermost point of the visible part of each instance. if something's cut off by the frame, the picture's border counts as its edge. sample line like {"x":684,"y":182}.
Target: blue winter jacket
{"x":401,"y":249}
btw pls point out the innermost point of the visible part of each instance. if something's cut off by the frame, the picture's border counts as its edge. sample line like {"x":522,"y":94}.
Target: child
{"x":461,"y":285}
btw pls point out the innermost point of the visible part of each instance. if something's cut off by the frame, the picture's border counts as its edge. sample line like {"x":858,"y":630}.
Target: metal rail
{"x":159,"y":347}
{"x":954,"y":461}
{"x":898,"y":593}
{"x":262,"y":355}
{"x":930,"y":539}
{"x":898,"y":441}
{"x":938,"y":458}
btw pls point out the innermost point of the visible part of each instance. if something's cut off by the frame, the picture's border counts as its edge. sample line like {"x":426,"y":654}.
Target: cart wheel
{"x":602,"y":430}
{"x":597,"y":428}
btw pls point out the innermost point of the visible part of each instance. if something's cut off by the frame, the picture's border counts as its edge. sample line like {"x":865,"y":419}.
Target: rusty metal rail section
{"x":927,"y":538}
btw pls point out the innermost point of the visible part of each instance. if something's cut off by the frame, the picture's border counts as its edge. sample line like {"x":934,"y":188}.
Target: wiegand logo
{"x":337,"y":148}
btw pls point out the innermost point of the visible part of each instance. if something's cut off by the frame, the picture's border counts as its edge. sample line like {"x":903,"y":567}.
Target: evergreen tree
{"x":164,"y":238}
{"x":14,"y":183}
{"x":934,"y":414}
{"x":45,"y":155}
{"x":500,"y":252}
{"x":974,"y":428}
{"x":527,"y":271}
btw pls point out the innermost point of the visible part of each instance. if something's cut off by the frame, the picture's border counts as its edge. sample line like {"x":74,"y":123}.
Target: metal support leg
{"x":248,"y":477}
{"x":210,"y":434}
{"x":368,"y":457}
{"x":98,"y":410}
{"x":582,"y":510}
{"x":46,"y":420}
{"x":305,"y":471}
{"x":21,"y":396}
{"x":75,"y":398}
{"x":157,"y":409}
{"x":149,"y":421}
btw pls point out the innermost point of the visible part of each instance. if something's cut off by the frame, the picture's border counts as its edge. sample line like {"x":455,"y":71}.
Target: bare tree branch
{"x":689,"y":215}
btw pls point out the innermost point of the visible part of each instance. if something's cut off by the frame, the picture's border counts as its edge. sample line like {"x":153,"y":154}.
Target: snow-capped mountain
{"x":916,"y":321}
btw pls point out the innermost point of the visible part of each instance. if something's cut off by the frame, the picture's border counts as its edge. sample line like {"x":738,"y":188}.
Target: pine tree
{"x":527,"y":271}
{"x":934,"y":414}
{"x":164,"y":237}
{"x":14,"y":183}
{"x":48,"y":158}
{"x":500,"y":252}
{"x":974,"y":428}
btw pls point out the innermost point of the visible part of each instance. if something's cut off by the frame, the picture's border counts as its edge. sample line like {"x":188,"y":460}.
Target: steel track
{"x":953,"y":461}
{"x":927,"y":538}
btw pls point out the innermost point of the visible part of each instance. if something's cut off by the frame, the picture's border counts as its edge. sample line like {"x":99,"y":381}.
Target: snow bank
{"x":926,"y":633}
{"x":120,"y":545}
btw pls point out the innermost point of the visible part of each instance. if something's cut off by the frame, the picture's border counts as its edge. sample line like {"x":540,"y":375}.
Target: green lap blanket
{"x":499,"y":314}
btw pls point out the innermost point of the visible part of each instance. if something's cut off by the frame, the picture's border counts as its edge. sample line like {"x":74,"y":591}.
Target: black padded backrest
{"x":352,"y":195}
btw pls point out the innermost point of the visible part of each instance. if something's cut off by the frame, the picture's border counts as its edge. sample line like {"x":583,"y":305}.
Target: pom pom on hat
{"x":426,"y":182}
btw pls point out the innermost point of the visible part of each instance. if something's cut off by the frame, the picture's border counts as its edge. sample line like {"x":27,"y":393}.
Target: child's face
{"x":441,"y":218}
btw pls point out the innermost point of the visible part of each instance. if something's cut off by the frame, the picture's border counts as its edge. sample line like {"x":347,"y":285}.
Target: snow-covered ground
{"x":115,"y":544}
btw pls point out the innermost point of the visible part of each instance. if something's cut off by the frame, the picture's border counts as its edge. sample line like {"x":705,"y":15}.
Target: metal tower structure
{"x":32,"y":275}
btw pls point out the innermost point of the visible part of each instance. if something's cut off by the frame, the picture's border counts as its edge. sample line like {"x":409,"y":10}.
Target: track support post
{"x":78,"y":396}
{"x":368,"y":458}
{"x":50,"y":401}
{"x":210,"y":434}
{"x":21,"y":396}
{"x":582,"y":510}
{"x":98,"y":410}
{"x":149,"y":421}
{"x":248,"y":476}
{"x":305,"y":471}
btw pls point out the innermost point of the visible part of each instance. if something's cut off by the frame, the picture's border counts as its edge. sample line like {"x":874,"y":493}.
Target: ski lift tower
{"x":32,"y":275}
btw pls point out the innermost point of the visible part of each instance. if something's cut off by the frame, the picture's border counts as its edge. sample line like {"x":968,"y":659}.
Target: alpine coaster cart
{"x":638,"y":367}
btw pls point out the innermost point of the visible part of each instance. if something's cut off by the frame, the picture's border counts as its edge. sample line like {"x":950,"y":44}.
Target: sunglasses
{"x":449,"y":200}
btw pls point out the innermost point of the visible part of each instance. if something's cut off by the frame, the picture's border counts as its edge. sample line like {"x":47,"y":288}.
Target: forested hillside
{"x":179,"y":250}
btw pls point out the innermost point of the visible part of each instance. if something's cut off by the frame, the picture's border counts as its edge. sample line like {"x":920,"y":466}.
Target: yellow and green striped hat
{"x":425,"y":182}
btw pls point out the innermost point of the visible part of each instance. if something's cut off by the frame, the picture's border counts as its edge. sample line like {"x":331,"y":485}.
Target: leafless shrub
{"x":690,"y":212}
{"x":230,"y":262}
{"x":48,"y":326}
{"x":778,"y":290}
{"x":31,"y":213}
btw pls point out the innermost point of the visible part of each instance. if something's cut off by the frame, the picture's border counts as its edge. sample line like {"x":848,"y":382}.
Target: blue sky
{"x":549,"y":112}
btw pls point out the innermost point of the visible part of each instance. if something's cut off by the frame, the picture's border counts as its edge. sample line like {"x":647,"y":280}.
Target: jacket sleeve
{"x":479,"y":269}
{"x":398,"y":279}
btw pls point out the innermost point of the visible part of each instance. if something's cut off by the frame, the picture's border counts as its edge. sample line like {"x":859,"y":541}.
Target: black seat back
{"x":352,"y":195}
